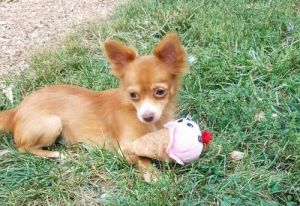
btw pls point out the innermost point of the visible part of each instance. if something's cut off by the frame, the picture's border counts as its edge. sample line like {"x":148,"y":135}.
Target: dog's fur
{"x":110,"y":118}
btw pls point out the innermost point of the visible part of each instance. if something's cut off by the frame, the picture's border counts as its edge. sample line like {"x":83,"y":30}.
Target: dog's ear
{"x":170,"y":51}
{"x":118,"y":55}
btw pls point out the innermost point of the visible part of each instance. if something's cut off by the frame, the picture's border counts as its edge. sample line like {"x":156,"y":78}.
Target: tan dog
{"x":145,"y":101}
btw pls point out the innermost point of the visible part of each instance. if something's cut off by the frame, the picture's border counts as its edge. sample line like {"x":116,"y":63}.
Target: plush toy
{"x":180,"y":140}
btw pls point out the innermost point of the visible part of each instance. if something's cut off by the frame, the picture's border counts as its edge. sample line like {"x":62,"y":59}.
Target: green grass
{"x":247,"y":61}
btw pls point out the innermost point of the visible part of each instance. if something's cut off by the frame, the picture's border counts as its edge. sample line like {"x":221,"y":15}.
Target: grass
{"x":247,"y":61}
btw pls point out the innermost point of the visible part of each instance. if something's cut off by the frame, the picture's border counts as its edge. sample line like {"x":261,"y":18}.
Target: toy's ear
{"x":189,"y":117}
{"x":171,"y":126}
{"x":170,"y":51}
{"x":118,"y":55}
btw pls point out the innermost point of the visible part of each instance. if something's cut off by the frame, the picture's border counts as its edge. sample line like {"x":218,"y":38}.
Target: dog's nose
{"x":148,"y":117}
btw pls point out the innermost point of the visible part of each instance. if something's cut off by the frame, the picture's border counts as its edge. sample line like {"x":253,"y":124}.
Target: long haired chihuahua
{"x":144,"y":102}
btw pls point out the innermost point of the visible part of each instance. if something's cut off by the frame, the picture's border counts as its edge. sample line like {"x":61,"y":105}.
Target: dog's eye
{"x":180,"y":120}
{"x":160,"y":92}
{"x":133,"y":95}
{"x":190,"y":125}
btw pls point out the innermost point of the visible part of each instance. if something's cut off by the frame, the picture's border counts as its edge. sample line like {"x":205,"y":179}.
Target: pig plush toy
{"x":181,"y":141}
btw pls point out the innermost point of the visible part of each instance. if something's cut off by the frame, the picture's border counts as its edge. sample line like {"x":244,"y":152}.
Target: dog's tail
{"x":6,"y":120}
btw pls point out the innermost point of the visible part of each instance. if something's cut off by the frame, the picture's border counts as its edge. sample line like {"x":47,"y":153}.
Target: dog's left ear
{"x":171,"y":52}
{"x":118,"y":55}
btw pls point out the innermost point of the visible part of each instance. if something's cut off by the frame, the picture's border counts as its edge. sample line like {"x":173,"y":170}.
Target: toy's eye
{"x":133,"y":95}
{"x":190,"y":125}
{"x":200,"y":138}
{"x":181,"y":120}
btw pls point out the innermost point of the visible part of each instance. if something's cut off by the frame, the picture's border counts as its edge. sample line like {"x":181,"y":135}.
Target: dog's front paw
{"x":60,"y":156}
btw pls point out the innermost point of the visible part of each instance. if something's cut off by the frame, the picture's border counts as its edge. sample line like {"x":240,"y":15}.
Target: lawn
{"x":244,"y":61}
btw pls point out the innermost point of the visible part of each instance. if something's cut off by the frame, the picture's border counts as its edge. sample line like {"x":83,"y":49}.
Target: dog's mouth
{"x":149,"y":111}
{"x":148,"y":117}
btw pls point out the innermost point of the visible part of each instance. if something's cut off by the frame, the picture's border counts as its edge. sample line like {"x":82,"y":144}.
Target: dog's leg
{"x":150,"y":173}
{"x":43,"y":153}
{"x":37,"y":132}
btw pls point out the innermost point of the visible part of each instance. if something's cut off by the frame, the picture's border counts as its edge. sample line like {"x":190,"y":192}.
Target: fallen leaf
{"x":260,"y":116}
{"x":192,"y":59}
{"x":4,"y":153}
{"x":236,"y":156}
{"x":8,"y":93}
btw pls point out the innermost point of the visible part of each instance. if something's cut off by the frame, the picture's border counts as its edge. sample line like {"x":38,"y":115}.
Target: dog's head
{"x":150,"y":81}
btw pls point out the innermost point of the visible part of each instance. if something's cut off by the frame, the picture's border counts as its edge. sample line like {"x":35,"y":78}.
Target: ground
{"x":243,"y":85}
{"x":29,"y":25}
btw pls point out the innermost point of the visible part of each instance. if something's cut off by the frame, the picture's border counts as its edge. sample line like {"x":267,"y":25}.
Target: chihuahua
{"x":144,"y":102}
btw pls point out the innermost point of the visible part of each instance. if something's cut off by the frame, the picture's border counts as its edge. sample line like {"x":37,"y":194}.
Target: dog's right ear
{"x":118,"y":55}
